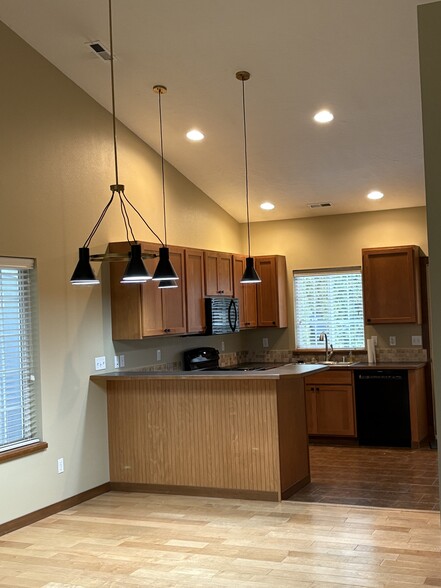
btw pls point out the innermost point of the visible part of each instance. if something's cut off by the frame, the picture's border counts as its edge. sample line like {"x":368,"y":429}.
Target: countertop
{"x":388,"y":365}
{"x":288,"y":370}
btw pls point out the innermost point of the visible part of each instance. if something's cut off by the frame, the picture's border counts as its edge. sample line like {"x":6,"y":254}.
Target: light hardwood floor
{"x":127,"y":539}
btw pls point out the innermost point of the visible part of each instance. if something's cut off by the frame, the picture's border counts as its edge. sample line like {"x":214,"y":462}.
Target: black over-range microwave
{"x":222,"y":315}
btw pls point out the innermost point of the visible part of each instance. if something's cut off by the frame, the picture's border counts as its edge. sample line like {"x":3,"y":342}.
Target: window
{"x":19,"y":411}
{"x":329,"y":301}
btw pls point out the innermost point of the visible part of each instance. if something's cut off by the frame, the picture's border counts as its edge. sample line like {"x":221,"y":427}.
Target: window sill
{"x":22,"y":451}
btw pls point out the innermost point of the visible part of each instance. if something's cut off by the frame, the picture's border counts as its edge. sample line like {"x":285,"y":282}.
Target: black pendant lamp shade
{"x":136,"y":272}
{"x":83,"y":274}
{"x":250,"y":276}
{"x":167,"y":284}
{"x":164,"y":269}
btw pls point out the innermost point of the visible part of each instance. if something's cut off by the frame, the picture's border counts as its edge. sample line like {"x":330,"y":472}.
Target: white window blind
{"x":18,"y":413}
{"x":329,"y":301}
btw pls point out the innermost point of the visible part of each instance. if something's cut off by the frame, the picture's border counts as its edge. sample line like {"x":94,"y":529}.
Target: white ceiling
{"x":359,"y":58}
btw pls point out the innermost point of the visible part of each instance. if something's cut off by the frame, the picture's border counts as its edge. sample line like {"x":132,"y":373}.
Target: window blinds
{"x":329,"y":301}
{"x":18,"y":414}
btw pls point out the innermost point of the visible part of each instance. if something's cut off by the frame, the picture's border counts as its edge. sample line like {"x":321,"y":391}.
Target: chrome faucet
{"x":328,"y":353}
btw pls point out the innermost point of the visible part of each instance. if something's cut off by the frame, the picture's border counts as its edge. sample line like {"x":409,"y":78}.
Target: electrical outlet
{"x":158,"y":355}
{"x":60,"y":465}
{"x":100,"y":363}
{"x":417,"y":340}
{"x":374,"y":339}
{"x":116,"y":362}
{"x":392,"y":341}
{"x":265,"y":341}
{"x":122,"y":360}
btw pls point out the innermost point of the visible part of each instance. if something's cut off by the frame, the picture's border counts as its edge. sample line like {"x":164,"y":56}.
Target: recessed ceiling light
{"x":267,"y":206}
{"x":324,"y":116}
{"x":375,"y":195}
{"x":195,"y":135}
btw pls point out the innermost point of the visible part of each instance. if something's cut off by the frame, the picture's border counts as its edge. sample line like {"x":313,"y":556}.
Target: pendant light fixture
{"x":250,"y":276}
{"x":165,"y":273}
{"x":135,"y":271}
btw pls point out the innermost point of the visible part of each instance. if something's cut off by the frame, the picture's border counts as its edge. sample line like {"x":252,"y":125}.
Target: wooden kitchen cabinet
{"x":245,"y":293}
{"x":330,"y":405}
{"x":218,"y":273}
{"x":195,"y":281}
{"x":143,"y":310}
{"x":272,"y":291}
{"x":391,"y":285}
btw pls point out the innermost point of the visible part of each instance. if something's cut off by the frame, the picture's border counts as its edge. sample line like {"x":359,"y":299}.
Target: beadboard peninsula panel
{"x":195,"y":433}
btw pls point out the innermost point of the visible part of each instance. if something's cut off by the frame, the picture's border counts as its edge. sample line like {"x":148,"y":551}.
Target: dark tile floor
{"x":371,"y":476}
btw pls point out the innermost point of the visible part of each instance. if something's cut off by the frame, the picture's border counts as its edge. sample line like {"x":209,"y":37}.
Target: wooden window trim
{"x":22,"y":451}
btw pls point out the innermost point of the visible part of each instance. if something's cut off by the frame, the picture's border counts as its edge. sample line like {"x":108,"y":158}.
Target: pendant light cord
{"x":112,"y":82}
{"x":246,"y":164}
{"x":117,"y":187}
{"x":162,"y":165}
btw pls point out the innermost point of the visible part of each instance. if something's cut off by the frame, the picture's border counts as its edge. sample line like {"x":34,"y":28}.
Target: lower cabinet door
{"x":330,"y":410}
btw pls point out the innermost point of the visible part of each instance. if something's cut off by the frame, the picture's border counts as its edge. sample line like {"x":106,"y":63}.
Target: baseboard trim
{"x":42,"y":513}
{"x":296,"y":487}
{"x":195,"y":491}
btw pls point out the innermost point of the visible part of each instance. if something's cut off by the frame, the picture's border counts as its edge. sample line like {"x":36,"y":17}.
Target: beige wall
{"x":56,"y":167}
{"x":429,"y":26}
{"x":334,"y":241}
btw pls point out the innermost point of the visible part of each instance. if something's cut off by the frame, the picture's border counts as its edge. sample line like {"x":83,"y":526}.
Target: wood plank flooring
{"x":371,"y":476}
{"x":127,"y":539}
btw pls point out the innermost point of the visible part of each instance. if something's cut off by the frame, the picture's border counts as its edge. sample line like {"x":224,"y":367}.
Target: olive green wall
{"x":56,"y":165}
{"x":335,"y":241}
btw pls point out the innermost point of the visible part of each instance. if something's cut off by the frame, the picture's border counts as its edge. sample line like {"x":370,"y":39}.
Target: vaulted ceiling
{"x":356,"y":58}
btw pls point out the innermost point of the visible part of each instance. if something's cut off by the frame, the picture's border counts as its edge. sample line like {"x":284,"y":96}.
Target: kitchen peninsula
{"x":235,"y":434}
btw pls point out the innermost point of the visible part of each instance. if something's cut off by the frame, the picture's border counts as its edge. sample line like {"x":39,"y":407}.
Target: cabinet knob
{"x":368,"y":320}
{"x":167,"y":330}
{"x":274,"y":322}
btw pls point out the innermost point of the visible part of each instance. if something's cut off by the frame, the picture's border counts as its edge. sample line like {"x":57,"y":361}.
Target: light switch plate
{"x":392,"y":340}
{"x":265,"y":341}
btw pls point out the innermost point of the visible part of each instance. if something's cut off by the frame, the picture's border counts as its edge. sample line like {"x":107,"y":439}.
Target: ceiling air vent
{"x":98,"y":48}
{"x":319,"y":204}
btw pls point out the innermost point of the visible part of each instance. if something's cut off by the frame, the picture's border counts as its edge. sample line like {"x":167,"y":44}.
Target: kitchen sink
{"x":339,"y":362}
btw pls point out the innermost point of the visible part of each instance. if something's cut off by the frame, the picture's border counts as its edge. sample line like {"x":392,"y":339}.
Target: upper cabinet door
{"x":218,"y":273}
{"x":271,"y":292}
{"x":391,"y":285}
{"x":173,"y":299}
{"x":195,"y":290}
{"x":151,"y":300}
{"x":246,"y":294}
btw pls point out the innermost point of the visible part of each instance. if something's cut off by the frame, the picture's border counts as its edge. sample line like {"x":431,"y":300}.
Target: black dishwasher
{"x":382,"y":407}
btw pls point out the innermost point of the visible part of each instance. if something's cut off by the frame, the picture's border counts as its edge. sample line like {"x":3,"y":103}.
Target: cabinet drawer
{"x":330,"y":377}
